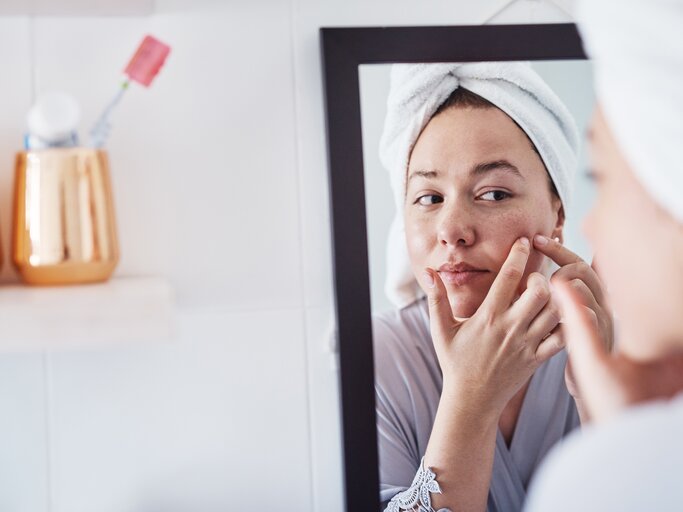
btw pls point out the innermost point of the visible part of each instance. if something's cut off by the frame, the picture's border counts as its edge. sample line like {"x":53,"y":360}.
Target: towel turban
{"x":637,"y":47}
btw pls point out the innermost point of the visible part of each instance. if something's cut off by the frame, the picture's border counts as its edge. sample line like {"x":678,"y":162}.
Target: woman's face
{"x":639,"y":252}
{"x":475,"y":185}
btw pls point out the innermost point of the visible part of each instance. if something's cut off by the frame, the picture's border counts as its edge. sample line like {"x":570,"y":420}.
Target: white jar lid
{"x":54,"y":117}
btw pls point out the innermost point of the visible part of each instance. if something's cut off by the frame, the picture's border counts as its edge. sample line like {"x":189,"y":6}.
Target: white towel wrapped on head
{"x":638,"y":51}
{"x":417,"y":91}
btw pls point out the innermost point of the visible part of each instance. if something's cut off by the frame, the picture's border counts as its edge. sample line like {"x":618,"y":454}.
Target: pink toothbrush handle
{"x":147,"y":61}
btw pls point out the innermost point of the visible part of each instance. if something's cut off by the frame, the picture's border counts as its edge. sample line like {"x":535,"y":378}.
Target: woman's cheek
{"x":418,"y":245}
{"x":507,"y":228}
{"x":510,"y":227}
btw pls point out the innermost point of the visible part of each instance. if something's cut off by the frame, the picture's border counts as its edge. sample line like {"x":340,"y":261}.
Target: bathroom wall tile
{"x":323,"y":392}
{"x":214,"y":421}
{"x":237,"y":213}
{"x":24,"y":481}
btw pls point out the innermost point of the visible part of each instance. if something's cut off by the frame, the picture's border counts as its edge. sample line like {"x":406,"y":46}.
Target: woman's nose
{"x":455,"y":228}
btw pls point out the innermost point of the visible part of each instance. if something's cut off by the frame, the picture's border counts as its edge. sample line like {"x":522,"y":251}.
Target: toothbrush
{"x":142,"y":68}
{"x":102,"y":127}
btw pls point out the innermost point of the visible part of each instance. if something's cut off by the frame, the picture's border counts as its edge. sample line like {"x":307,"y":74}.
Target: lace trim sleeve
{"x":417,"y":497}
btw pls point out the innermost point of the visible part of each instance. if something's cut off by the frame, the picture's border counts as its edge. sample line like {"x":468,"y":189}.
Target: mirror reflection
{"x":475,"y":192}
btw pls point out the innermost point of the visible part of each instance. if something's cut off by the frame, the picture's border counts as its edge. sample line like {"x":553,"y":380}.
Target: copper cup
{"x":64,"y":231}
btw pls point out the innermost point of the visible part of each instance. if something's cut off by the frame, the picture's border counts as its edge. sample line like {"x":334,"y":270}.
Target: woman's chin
{"x":465,"y":303}
{"x":462,"y":311}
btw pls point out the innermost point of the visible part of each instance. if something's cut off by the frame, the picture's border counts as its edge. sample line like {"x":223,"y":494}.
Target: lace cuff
{"x":417,"y":496}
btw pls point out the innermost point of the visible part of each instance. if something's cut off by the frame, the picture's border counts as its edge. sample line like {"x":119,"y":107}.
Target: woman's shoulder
{"x":403,"y":329}
{"x":403,"y":349}
{"x":630,"y":463}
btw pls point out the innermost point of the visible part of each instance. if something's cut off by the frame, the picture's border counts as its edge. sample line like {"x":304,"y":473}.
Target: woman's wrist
{"x":460,"y":424}
{"x":464,"y":402}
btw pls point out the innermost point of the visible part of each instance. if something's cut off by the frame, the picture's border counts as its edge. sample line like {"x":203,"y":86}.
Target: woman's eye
{"x":429,"y":199}
{"x":495,"y":195}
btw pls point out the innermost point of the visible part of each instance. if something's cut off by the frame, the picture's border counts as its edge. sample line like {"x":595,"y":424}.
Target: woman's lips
{"x":461,"y":277}
{"x":461,"y":273}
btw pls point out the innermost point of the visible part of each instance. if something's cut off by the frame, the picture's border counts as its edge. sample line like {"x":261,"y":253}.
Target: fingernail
{"x":525,"y":241}
{"x":557,"y":239}
{"x":428,"y":279}
{"x":541,"y":240}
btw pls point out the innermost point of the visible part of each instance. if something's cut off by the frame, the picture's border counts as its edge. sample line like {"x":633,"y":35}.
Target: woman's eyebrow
{"x":502,"y":165}
{"x":423,"y":174}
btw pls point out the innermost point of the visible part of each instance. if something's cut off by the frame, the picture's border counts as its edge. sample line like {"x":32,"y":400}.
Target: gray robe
{"x":408,"y":384}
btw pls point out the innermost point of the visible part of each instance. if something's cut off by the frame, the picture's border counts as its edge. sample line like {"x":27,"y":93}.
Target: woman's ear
{"x":559,"y":223}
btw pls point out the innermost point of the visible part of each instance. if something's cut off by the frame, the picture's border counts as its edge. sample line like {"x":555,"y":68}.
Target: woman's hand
{"x":583,"y":279}
{"x":610,"y":382}
{"x":487,"y":358}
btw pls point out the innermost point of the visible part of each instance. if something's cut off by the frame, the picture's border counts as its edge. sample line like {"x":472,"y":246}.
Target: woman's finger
{"x":584,"y":272}
{"x":544,"y":324}
{"x":564,"y":257}
{"x":555,"y":251}
{"x":504,"y":287}
{"x":583,"y":292}
{"x":550,"y":346}
{"x":595,"y":312}
{"x":588,"y":356}
{"x":550,"y":330}
{"x":440,"y":313}
{"x":532,"y":300}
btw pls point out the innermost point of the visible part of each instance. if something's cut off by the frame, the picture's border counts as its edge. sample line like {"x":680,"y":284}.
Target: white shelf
{"x":76,"y":7}
{"x":122,"y":310}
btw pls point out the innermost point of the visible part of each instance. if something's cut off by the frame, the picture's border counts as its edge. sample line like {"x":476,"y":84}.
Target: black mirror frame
{"x":343,"y":50}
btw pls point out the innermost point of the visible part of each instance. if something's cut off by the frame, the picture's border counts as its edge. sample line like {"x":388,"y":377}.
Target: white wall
{"x":220,"y":182}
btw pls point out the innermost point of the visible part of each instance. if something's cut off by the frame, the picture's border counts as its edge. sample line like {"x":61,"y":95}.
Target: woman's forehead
{"x":471,"y":146}
{"x":470,"y":134}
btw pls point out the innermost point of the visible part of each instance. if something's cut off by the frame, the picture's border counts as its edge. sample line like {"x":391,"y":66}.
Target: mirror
{"x":401,"y":400}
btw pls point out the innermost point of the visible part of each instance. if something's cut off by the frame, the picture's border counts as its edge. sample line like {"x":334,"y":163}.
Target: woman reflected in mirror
{"x":472,"y":382}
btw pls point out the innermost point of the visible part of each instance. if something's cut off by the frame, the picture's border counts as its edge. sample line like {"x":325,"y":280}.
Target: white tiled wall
{"x":220,"y":182}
